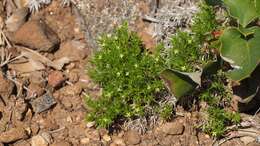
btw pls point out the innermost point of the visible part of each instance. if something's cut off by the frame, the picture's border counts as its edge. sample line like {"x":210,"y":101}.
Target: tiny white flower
{"x":189,"y":41}
{"x":149,"y":87}
{"x":121,"y":55}
{"x":175,"y":51}
{"x":118,"y":74}
{"x":128,"y":114}
{"x":127,"y":73}
{"x":136,"y":65}
{"x":103,"y":44}
{"x":183,"y":68}
{"x":157,"y":90}
{"x":108,"y":95}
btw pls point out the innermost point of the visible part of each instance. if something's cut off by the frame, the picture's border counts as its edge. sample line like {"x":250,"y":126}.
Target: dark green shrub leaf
{"x":211,"y":67}
{"x":180,"y":84}
{"x":242,"y":53}
{"x":247,"y":31}
{"x":257,"y":4}
{"x":244,"y":11}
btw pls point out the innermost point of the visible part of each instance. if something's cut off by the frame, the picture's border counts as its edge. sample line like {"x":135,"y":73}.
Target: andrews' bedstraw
{"x":187,"y":53}
{"x":218,"y":119}
{"x":218,"y":96}
{"x":204,"y":22}
{"x":128,"y":75}
{"x":184,"y":54}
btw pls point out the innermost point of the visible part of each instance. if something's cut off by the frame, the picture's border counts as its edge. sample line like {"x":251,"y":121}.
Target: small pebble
{"x":106,"y":137}
{"x":84,"y":140}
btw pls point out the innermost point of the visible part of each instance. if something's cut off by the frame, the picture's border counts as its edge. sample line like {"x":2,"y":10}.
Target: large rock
{"x":173,"y":128}
{"x":6,"y":87}
{"x":35,"y":34}
{"x":61,"y":143}
{"x":43,"y":139}
{"x":43,"y":103}
{"x":17,"y":19}
{"x":74,"y":50}
{"x":13,"y":135}
{"x":55,"y":79}
{"x":22,"y":143}
{"x":132,"y":137}
{"x":38,"y":140}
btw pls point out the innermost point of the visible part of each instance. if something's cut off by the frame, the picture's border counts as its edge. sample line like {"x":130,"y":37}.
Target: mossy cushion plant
{"x":187,"y":53}
{"x":184,"y":55}
{"x":218,"y":97}
{"x":128,"y":75}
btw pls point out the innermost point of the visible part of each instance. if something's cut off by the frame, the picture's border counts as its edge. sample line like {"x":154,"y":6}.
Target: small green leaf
{"x":243,"y":10}
{"x":257,"y":5}
{"x":180,"y":84}
{"x":247,"y":31}
{"x":242,"y":53}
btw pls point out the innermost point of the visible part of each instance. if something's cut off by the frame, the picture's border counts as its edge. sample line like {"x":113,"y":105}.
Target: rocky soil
{"x":43,"y":80}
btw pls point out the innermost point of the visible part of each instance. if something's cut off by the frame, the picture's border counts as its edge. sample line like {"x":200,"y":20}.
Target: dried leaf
{"x":17,"y":19}
{"x":57,"y":64}
{"x":27,"y":67}
{"x":21,"y":3}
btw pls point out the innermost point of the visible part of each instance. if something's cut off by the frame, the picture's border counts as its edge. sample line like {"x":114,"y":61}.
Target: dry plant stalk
{"x":3,"y":39}
{"x":5,"y":57}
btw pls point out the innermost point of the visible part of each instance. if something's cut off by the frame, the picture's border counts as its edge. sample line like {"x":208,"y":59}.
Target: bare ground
{"x":45,"y":106}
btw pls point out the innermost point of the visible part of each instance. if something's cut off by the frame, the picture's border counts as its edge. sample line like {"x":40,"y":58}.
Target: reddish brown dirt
{"x":63,"y":124}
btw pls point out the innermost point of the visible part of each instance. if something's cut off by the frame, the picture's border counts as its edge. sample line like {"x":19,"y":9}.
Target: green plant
{"x":166,"y":111}
{"x":216,"y":93}
{"x":204,"y":22}
{"x":188,"y":55}
{"x":184,"y":53}
{"x":128,"y":75}
{"x":210,"y":68}
{"x":218,"y":119}
{"x":218,"y":97}
{"x":239,"y":45}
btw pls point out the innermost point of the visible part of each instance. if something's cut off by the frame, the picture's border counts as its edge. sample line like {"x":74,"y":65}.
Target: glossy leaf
{"x":244,"y":11}
{"x":242,"y":52}
{"x":257,"y":5}
{"x":247,"y":31}
{"x":180,"y":84}
{"x":211,"y":67}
